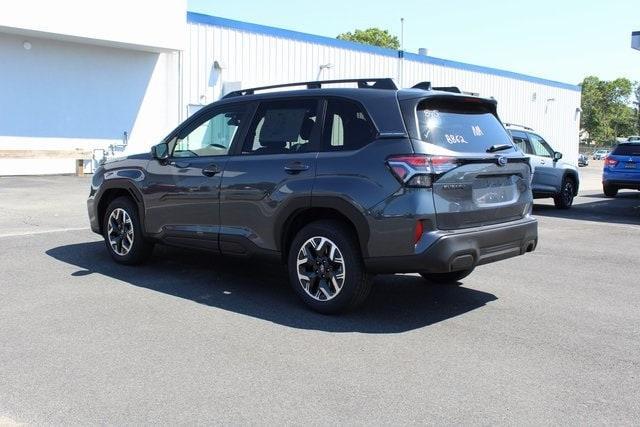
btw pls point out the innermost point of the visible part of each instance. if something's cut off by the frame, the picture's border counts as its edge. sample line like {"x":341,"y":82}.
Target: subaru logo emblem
{"x":502,"y":161}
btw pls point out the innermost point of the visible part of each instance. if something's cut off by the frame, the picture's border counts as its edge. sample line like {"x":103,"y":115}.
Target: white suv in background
{"x":552,"y":177}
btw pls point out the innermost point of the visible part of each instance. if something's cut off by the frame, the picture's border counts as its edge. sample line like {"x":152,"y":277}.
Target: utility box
{"x":635,"y":40}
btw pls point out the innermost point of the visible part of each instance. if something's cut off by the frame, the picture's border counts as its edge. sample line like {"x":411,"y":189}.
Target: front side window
{"x":540,"y":146}
{"x":459,"y":127}
{"x":347,"y":127}
{"x":281,"y":127}
{"x":213,"y":137}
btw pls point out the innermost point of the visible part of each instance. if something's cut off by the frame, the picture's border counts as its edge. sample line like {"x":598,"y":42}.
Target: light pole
{"x":401,"y":54}
{"x":401,"y":33}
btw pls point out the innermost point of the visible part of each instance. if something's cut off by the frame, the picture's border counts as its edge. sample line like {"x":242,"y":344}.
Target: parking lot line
{"x":55,"y":230}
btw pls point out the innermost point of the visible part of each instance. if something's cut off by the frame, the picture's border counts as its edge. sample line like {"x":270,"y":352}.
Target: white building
{"x":83,"y":82}
{"x":77,"y":74}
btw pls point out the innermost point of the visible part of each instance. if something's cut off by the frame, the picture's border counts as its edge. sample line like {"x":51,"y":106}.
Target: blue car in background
{"x":622,"y":169}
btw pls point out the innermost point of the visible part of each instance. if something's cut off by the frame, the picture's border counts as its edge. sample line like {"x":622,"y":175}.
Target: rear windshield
{"x":469,"y":130}
{"x":627,"y":150}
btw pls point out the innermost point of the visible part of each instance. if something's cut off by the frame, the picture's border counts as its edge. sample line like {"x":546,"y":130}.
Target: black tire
{"x":446,"y":278}
{"x":141,"y":248}
{"x":609,"y":190}
{"x":564,"y":200}
{"x":356,"y":282}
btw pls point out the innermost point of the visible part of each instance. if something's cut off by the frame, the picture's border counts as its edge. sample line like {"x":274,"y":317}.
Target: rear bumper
{"x":464,"y":249}
{"x":633,"y":184}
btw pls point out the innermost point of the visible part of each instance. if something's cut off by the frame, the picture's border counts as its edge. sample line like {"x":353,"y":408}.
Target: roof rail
{"x":520,"y":126}
{"x":427,"y":86}
{"x":375,"y":83}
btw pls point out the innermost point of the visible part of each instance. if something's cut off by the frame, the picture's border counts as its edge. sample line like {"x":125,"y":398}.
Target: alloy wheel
{"x":567,"y":193}
{"x":120,"y":231}
{"x":321,"y":268}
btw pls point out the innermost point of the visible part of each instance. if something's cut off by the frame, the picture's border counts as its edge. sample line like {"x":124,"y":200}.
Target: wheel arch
{"x":322,"y":208}
{"x":111,"y":190}
{"x":574,"y":176}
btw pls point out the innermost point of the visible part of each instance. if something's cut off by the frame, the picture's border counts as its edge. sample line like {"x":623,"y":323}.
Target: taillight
{"x":417,"y":235}
{"x":418,"y":170}
{"x":608,"y":161}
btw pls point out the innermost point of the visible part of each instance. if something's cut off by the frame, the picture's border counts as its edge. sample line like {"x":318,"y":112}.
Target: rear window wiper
{"x":498,"y":147}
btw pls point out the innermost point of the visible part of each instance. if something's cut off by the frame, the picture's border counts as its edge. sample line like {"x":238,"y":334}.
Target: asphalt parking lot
{"x":552,"y":337}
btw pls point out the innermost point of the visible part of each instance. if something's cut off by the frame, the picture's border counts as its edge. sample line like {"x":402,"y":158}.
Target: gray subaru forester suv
{"x":338,"y":183}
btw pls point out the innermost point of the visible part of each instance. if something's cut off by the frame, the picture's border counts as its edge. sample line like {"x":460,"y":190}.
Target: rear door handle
{"x":295,"y":167}
{"x":210,"y":170}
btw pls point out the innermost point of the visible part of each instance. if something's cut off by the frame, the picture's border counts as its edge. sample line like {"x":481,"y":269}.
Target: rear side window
{"x":520,"y":139}
{"x":627,"y":150}
{"x":282,"y":127}
{"x":458,"y":127}
{"x":347,"y":126}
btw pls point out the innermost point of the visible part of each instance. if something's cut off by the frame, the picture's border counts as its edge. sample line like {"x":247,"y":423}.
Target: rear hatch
{"x":483,"y":178}
{"x":624,"y":161}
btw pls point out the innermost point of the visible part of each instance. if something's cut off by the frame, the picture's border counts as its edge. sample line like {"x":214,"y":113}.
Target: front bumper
{"x":92,"y":210}
{"x":464,"y":249}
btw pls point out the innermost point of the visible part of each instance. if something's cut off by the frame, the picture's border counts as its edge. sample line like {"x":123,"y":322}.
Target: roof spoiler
{"x":427,"y":86}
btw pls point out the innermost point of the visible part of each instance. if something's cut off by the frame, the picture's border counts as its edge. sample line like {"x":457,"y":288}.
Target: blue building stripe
{"x":199,"y":18}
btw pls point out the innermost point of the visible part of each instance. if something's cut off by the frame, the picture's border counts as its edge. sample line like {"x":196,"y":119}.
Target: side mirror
{"x":557,"y":156}
{"x":160,"y":151}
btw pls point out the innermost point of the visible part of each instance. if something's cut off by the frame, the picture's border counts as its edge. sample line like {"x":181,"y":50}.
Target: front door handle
{"x":542,"y":162}
{"x":295,"y":167}
{"x":210,"y":170}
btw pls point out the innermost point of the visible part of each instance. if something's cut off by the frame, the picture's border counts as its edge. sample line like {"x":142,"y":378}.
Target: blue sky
{"x":562,"y":40}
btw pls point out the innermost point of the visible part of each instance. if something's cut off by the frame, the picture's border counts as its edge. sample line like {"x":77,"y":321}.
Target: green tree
{"x":606,"y":111}
{"x":373,"y":36}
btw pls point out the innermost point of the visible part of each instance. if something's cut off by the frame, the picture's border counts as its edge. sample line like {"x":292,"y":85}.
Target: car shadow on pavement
{"x":623,"y":209}
{"x":398,"y":303}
